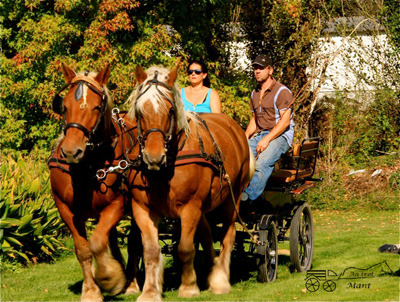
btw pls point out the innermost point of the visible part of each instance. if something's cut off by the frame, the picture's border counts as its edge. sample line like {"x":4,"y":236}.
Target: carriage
{"x":161,"y":162}
{"x":281,"y":213}
{"x":278,"y":216}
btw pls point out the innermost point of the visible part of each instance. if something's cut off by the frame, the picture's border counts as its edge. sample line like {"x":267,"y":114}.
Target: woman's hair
{"x":204,"y":69}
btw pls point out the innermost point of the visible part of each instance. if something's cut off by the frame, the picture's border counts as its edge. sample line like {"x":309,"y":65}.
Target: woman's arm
{"x":215,"y":102}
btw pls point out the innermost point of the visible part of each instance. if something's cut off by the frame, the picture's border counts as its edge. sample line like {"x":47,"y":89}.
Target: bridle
{"x":58,"y":106}
{"x":167,"y":136}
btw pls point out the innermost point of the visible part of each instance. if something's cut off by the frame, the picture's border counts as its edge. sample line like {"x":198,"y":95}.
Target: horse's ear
{"x":173,"y":74}
{"x":140,"y":74}
{"x":103,"y":76}
{"x":69,"y":74}
{"x":178,"y":62}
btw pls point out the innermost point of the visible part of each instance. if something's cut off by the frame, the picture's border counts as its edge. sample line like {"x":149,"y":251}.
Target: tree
{"x":38,"y":35}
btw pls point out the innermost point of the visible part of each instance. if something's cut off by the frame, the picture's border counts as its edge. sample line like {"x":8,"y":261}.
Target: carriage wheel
{"x":267,"y":261}
{"x":302,"y":239}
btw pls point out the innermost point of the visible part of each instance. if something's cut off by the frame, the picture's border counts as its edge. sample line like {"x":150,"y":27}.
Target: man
{"x":270,"y":131}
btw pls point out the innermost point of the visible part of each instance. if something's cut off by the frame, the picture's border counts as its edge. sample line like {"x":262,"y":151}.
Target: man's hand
{"x":262,"y":145}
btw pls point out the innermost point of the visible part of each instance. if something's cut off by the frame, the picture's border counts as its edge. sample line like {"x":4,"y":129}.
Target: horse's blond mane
{"x":143,"y":93}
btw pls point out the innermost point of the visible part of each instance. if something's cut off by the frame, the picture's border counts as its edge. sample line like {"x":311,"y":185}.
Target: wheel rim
{"x":305,"y":238}
{"x":270,"y":254}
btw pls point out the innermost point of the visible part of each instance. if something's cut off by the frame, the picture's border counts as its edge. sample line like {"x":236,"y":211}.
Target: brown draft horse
{"x":186,"y":177}
{"x":92,"y":139}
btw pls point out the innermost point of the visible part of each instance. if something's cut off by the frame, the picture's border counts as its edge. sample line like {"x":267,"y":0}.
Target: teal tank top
{"x":202,"y":107}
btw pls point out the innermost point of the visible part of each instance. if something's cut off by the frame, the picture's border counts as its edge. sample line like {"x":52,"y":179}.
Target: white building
{"x":353,"y":51}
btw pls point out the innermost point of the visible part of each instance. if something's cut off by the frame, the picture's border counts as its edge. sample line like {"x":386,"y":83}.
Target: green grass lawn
{"x":342,"y":240}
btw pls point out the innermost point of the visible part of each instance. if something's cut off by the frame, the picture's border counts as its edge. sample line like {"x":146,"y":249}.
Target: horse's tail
{"x":252,"y":164}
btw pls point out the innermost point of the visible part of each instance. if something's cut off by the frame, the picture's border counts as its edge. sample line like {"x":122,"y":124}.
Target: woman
{"x":198,"y":96}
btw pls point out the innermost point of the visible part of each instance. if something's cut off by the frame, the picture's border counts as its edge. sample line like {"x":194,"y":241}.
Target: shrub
{"x":30,"y":226}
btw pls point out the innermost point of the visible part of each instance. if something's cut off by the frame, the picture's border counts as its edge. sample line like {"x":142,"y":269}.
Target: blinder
{"x":58,"y":101}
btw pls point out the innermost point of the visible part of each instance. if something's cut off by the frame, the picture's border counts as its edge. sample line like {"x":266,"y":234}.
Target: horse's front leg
{"x":153,"y":261}
{"x":219,"y":278}
{"x":190,"y":217}
{"x":109,"y":270}
{"x":90,"y":290}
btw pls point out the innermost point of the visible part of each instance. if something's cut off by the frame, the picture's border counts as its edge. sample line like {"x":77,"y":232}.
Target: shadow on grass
{"x":76,"y":288}
{"x":119,"y":297}
{"x":394,"y":274}
{"x":243,"y":266}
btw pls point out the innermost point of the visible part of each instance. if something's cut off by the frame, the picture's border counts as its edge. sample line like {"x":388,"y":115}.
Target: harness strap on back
{"x":219,"y":156}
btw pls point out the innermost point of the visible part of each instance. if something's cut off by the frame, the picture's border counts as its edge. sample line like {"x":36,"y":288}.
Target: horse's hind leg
{"x":109,"y":271}
{"x":206,"y":240}
{"x":190,"y":217}
{"x":220,"y":274}
{"x":90,"y":290}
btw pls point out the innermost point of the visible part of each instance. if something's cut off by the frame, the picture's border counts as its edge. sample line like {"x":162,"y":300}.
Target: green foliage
{"x":390,"y":16}
{"x":12,"y":129}
{"x":382,"y":127}
{"x":354,"y":130}
{"x":30,"y":225}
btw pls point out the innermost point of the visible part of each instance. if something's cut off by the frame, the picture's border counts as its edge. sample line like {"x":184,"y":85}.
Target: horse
{"x":191,"y":166}
{"x":93,"y":138}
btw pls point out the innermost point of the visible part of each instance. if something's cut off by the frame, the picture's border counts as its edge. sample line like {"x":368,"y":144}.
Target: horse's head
{"x":84,"y":108}
{"x":157,"y":106}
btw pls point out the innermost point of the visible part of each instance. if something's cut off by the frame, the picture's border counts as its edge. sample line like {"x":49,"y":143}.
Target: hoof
{"x":115,"y":290}
{"x":219,"y":283}
{"x":112,"y":285}
{"x":220,"y":290}
{"x":149,"y":297}
{"x":132,"y":289}
{"x":93,"y":295}
{"x":111,"y":277}
{"x":188,"y":291}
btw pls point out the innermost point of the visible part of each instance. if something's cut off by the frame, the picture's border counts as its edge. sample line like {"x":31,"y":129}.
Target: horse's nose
{"x":154,"y":162}
{"x":73,"y":155}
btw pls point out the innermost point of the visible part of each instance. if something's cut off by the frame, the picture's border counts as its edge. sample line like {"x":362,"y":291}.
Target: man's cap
{"x":262,"y":60}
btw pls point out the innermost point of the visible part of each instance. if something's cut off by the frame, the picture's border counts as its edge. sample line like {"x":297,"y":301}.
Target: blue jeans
{"x":265,"y":162}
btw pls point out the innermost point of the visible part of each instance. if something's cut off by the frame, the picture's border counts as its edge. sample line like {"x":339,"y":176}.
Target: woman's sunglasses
{"x":196,"y":71}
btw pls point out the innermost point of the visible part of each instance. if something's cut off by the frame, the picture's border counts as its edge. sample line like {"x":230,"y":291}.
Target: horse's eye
{"x":97,"y":108}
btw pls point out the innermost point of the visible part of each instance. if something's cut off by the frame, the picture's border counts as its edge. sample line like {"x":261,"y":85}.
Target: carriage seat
{"x":298,"y":163}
